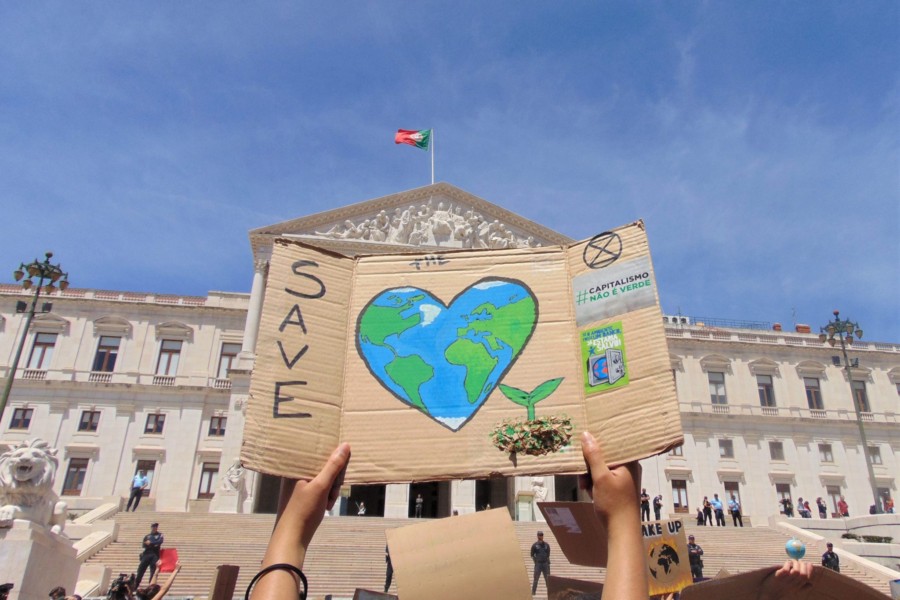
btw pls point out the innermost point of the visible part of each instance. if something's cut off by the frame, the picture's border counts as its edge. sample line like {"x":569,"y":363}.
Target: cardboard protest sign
{"x":462,"y":364}
{"x":583,"y":540}
{"x":563,"y":588}
{"x":475,"y":556}
{"x":665,"y":548}
{"x":762,"y":583}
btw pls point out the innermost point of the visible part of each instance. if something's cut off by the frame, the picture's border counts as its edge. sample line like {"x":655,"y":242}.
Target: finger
{"x":593,"y":455}
{"x":336,"y":463}
{"x":784,"y":570}
{"x":586,"y":483}
{"x":335,"y":492}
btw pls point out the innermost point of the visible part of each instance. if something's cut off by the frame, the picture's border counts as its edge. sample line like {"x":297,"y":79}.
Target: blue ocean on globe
{"x":446,"y":360}
{"x":795,"y":549}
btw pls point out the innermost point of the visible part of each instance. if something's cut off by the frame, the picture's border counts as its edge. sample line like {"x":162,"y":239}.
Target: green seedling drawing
{"x":529,"y":399}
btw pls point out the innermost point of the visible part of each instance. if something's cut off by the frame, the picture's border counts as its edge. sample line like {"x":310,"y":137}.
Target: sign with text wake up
{"x":460,"y":364}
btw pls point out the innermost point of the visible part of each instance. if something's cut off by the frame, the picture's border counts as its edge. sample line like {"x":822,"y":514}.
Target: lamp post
{"x":32,"y":275}
{"x":841,"y":331}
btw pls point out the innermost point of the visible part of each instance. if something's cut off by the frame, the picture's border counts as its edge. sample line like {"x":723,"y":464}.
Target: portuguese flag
{"x":419,"y":139}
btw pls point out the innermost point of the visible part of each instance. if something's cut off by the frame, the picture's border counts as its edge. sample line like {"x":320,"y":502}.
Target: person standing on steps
{"x":138,"y":485}
{"x":734,"y":505}
{"x":645,"y":505}
{"x":830,"y":560}
{"x":420,"y":502}
{"x":540,"y":554}
{"x":657,"y":506}
{"x":720,"y":511}
{"x":843,"y":509}
{"x":150,"y":547}
{"x":823,"y":508}
{"x":707,"y":511}
{"x":695,"y":555}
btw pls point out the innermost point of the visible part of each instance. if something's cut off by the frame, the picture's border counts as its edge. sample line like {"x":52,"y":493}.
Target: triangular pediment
{"x":435,"y":216}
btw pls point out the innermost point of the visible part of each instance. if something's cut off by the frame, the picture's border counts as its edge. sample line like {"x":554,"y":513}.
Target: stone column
{"x":396,"y":501}
{"x":254,"y":310}
{"x":462,"y":496}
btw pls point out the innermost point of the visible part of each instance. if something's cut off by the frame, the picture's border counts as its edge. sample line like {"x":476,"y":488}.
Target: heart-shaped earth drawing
{"x":446,"y":360}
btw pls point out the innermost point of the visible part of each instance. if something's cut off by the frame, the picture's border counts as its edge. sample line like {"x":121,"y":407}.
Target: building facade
{"x":121,"y":382}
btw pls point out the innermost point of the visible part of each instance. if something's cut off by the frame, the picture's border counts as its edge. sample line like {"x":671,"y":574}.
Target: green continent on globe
{"x":512,"y":323}
{"x":379,"y":322}
{"x":410,"y":372}
{"x":477,"y":362}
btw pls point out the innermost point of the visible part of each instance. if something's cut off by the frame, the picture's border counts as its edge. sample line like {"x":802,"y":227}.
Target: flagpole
{"x":432,"y":157}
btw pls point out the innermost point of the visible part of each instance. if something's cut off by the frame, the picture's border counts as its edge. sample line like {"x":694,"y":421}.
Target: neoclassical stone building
{"x":121,"y":381}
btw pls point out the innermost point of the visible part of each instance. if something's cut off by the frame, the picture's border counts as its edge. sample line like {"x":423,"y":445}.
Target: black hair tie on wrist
{"x":280,"y":567}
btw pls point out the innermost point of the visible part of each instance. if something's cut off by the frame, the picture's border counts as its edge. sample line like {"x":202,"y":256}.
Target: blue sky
{"x":759,"y":141}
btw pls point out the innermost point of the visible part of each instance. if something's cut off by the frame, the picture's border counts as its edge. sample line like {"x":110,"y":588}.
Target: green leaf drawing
{"x":528,"y":400}
{"x":545,"y":389}
{"x":515,"y":394}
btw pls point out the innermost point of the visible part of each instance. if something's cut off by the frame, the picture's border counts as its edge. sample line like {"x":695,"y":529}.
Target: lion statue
{"x":26,"y":486}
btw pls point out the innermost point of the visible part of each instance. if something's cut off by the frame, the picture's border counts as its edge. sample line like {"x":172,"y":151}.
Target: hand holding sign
{"x":615,"y":493}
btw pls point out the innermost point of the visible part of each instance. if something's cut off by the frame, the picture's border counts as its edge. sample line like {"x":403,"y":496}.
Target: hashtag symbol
{"x":581,"y":297}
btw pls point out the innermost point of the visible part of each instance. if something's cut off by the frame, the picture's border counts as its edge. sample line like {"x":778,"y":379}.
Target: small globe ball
{"x":795,"y":549}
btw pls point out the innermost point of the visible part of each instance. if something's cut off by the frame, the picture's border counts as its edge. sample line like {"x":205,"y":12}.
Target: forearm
{"x":626,"y":577}
{"x":167,"y":585}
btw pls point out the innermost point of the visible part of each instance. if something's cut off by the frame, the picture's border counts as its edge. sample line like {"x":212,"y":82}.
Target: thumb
{"x":593,"y":455}
{"x":334,"y":466}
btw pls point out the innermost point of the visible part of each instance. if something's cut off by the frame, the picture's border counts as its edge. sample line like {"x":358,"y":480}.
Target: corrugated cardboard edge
{"x":474,"y":556}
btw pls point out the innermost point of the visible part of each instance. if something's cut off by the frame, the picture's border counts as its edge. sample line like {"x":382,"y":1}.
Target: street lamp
{"x":838,"y":331}
{"x":32,"y":275}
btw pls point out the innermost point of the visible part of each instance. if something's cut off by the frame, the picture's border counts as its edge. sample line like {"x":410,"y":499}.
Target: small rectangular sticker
{"x":613,"y":290}
{"x":605,"y":366}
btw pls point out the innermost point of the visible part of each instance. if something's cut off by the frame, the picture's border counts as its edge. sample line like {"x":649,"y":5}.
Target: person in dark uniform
{"x":420,"y":502}
{"x":707,"y":511}
{"x":830,"y":560}
{"x":657,"y":507}
{"x":645,"y":505}
{"x":540,"y":554}
{"x":695,"y":552}
{"x":151,"y":546}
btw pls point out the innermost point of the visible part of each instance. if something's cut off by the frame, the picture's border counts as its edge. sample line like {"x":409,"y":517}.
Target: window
{"x":717,"y":388}
{"x":875,"y":455}
{"x":776,"y":451}
{"x":226,"y":359}
{"x":149,"y":469}
{"x":783,"y":491}
{"x":834,"y":494}
{"x":677,"y":451}
{"x":726,"y":449}
{"x":679,"y":495}
{"x":860,"y":396}
{"x":21,"y":418}
{"x":208,"y":475}
{"x":42,"y":351}
{"x":169,"y":352}
{"x":813,"y":394}
{"x":825,"y":454}
{"x":75,"y":477}
{"x":90,"y":420}
{"x":107,"y":351}
{"x":766,"y":392}
{"x":155,"y":423}
{"x":217,"y":425}
{"x":732,"y":487}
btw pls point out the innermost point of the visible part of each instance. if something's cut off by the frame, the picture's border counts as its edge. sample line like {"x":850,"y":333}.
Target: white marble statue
{"x":234,"y":477}
{"x":539,"y":489}
{"x":26,"y":486}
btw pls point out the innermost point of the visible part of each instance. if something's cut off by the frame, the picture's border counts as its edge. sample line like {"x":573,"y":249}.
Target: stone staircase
{"x":348,"y":552}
